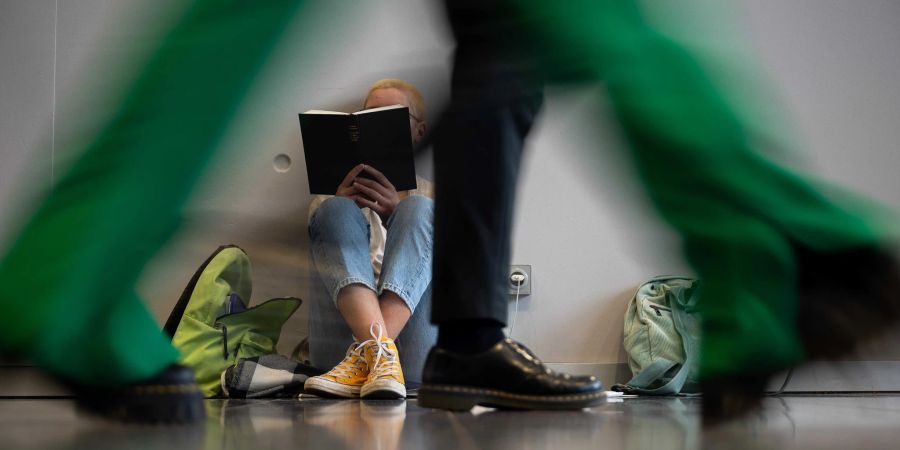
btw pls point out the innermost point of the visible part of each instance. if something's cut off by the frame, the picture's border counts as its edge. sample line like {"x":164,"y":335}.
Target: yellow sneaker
{"x":345,"y":379}
{"x":385,"y":379}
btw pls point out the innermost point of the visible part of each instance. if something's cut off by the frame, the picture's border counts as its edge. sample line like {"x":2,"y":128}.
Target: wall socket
{"x":519,"y":280}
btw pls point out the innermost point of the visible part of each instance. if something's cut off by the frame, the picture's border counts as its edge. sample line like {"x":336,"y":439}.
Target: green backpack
{"x":211,"y":324}
{"x":662,"y":333}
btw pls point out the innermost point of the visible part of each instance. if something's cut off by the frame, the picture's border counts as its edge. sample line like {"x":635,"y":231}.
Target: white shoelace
{"x":390,"y":356}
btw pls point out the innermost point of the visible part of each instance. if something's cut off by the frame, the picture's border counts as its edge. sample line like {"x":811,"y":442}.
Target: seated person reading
{"x":371,"y":247}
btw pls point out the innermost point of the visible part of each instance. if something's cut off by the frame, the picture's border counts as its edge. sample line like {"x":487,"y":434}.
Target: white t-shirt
{"x":377,"y":231}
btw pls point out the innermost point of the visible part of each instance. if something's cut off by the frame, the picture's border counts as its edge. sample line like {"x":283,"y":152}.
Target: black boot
{"x":169,"y":397}
{"x":844,"y":299}
{"x":730,"y":397}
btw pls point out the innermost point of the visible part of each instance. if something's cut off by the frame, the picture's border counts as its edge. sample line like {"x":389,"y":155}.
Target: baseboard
{"x":843,"y":376}
{"x":838,"y":376}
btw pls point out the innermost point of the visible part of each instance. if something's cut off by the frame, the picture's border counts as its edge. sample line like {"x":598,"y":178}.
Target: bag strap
{"x":640,"y":382}
{"x":651,"y":373}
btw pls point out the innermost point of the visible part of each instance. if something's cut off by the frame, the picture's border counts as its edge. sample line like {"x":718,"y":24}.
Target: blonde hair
{"x":416,"y":101}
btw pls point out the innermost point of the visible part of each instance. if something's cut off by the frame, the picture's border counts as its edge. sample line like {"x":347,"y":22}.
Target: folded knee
{"x":336,"y":210}
{"x":416,"y":206}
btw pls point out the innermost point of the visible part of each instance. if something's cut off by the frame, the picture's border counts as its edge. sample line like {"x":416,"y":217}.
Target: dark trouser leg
{"x":477,"y":161}
{"x":478,"y":151}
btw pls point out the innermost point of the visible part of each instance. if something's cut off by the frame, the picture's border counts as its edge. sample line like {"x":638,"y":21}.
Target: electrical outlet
{"x":519,"y":280}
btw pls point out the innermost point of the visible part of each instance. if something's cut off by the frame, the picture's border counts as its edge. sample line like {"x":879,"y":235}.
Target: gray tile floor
{"x":813,"y":422}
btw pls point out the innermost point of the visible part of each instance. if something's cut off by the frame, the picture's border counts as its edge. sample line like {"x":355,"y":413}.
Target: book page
{"x":380,"y":108}
{"x":319,"y":111}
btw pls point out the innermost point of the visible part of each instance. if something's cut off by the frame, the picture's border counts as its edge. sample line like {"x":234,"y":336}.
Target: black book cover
{"x":335,"y":142}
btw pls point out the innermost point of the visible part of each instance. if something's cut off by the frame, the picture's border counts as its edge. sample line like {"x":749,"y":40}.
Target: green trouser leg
{"x":738,"y":214}
{"x":67,"y":297}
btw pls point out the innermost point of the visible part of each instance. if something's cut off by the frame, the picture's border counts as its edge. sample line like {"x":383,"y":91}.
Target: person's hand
{"x":346,"y":188}
{"x":379,"y":194}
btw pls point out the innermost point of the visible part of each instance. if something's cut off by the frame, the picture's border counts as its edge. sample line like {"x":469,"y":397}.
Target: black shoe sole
{"x":464,"y":398}
{"x":171,"y":408}
{"x":169,"y":397}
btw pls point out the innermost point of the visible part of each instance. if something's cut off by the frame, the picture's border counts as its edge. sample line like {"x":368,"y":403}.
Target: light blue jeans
{"x":339,"y":244}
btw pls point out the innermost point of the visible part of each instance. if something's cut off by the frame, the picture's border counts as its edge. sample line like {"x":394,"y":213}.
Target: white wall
{"x":26,"y":96}
{"x":581,"y":222}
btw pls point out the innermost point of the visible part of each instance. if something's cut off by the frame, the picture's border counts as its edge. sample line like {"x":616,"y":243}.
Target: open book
{"x":335,"y":142}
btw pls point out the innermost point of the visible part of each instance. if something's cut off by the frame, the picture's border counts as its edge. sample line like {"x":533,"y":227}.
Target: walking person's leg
{"x":67,"y":283}
{"x":478,"y":150}
{"x":766,"y":241}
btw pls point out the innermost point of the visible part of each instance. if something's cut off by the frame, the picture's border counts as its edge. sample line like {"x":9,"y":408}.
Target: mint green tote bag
{"x":661,"y":337}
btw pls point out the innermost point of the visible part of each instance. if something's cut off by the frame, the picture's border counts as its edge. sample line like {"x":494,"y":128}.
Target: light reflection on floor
{"x":814,"y":422}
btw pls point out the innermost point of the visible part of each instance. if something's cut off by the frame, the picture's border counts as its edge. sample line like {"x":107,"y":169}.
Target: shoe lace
{"x":350,"y":366}
{"x":525,"y":351}
{"x":385,"y":357}
{"x":528,"y":354}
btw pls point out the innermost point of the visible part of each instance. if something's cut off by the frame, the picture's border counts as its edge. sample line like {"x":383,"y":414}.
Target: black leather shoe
{"x":506,"y":376}
{"x":171,"y":396}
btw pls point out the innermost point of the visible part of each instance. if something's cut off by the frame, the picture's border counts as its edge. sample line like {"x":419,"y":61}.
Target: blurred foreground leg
{"x":67,"y":297}
{"x":788,"y":272}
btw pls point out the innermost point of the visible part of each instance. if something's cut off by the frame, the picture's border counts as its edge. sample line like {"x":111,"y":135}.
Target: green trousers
{"x":738,"y":214}
{"x":67,"y":283}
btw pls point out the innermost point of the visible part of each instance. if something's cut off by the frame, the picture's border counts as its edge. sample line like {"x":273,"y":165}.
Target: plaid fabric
{"x":266,"y":376}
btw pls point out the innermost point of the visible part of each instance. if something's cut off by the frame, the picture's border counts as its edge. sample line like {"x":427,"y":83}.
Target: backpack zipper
{"x":218,"y":324}
{"x":657,"y":308}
